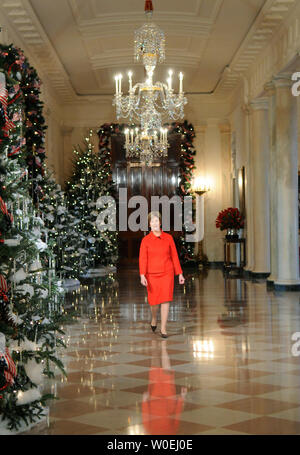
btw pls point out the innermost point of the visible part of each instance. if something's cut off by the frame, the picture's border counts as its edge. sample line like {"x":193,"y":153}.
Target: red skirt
{"x":160,"y":287}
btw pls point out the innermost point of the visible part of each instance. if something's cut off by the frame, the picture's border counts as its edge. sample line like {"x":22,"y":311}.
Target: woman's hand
{"x":183,"y":392}
{"x":181,"y":279}
{"x":144,"y":280}
{"x":146,"y":396}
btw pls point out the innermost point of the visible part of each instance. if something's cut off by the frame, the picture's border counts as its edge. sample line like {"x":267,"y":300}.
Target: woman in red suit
{"x":158,"y":262}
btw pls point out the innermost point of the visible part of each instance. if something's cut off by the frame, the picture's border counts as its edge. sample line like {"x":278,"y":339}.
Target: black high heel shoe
{"x":153,"y":327}
{"x":163,"y":335}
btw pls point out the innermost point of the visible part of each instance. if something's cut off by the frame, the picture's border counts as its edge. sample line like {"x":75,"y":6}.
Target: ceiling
{"x":94,"y":39}
{"x":83,"y":44}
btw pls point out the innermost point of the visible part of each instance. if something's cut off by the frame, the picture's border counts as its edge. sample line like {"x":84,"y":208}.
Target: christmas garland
{"x":27,"y":86}
{"x":186,"y":167}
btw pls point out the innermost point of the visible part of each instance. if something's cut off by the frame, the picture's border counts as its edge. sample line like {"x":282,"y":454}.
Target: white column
{"x":249,"y":229}
{"x":286,"y":156}
{"x":260,"y":186}
{"x":49,"y":146}
{"x":225,"y":133}
{"x":270,"y":92}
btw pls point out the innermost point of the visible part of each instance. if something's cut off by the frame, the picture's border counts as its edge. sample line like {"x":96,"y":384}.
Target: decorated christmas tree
{"x":31,"y":297}
{"x":61,"y":229}
{"x":91,"y":179}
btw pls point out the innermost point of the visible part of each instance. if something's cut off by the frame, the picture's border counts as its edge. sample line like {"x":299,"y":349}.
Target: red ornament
{"x":4,"y":210}
{"x":10,"y":371}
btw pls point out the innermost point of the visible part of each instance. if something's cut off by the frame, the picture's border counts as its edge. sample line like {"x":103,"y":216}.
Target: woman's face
{"x":155,"y":223}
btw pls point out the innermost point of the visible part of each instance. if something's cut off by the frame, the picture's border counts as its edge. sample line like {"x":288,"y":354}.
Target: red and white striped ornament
{"x":3,"y":100}
{"x":4,"y":210}
{"x":3,"y":284}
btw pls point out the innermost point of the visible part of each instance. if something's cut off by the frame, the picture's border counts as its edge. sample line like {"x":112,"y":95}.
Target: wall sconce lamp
{"x":200,"y":185}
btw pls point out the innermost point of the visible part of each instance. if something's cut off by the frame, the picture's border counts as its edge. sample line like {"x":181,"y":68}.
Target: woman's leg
{"x":164,"y":316}
{"x":154,"y":309}
{"x":155,"y":354}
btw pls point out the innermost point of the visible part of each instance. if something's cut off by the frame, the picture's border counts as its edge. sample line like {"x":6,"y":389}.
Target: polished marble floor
{"x":229,"y":366}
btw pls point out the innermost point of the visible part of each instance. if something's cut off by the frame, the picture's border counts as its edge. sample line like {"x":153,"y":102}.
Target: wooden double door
{"x":159,"y":179}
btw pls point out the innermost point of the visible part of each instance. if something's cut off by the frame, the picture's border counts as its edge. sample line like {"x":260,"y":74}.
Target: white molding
{"x":278,"y":55}
{"x":264,"y":30}
{"x":117,"y":24}
{"x":48,"y":95}
{"x":260,"y":104}
{"x":111,"y":26}
{"x":26,"y":28}
{"x":283,"y":80}
{"x":117,"y":60}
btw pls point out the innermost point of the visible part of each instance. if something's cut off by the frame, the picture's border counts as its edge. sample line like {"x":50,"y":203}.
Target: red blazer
{"x":158,"y":254}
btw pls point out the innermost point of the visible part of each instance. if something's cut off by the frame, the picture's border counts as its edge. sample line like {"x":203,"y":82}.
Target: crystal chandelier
{"x":148,"y":103}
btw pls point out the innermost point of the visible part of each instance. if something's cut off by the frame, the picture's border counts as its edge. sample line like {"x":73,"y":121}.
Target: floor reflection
{"x":235,"y":302}
{"x":160,"y":399}
{"x":94,"y":298}
{"x":226,"y":367}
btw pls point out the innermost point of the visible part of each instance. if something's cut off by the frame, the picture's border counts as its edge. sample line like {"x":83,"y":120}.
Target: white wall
{"x":213,"y":244}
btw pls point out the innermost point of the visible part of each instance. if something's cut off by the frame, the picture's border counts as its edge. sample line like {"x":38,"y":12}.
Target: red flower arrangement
{"x":230,"y":218}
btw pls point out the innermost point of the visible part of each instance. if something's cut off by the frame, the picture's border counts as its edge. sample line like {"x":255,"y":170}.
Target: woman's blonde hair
{"x":152,"y":215}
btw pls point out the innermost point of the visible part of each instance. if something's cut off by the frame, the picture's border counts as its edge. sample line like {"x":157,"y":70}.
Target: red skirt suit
{"x":158,"y":261}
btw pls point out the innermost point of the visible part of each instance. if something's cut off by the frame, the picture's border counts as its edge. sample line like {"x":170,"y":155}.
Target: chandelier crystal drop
{"x":149,"y":103}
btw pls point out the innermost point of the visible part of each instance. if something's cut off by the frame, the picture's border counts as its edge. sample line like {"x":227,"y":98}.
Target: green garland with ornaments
{"x":187,"y":168}
{"x":27,"y":86}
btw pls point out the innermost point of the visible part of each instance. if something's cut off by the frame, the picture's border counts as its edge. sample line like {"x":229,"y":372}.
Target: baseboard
{"x":214,"y":265}
{"x":286,"y":287}
{"x":263,"y":275}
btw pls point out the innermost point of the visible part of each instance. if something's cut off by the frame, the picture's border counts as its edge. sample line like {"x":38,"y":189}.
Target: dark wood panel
{"x":135,"y":180}
{"x":157,"y":181}
{"x":121,"y":176}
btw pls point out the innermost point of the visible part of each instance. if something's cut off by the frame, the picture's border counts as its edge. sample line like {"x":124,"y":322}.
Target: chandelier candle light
{"x":148,"y":103}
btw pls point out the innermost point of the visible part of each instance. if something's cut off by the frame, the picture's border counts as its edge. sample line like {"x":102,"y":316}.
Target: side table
{"x":240,"y":254}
